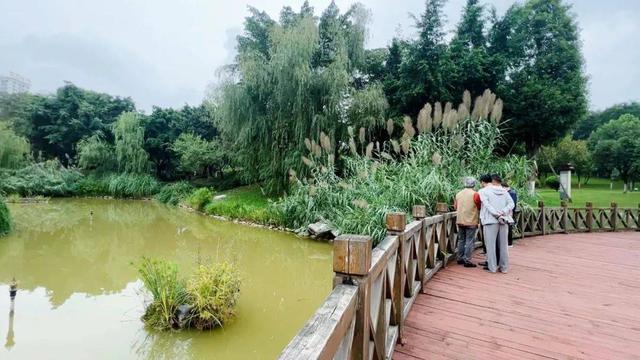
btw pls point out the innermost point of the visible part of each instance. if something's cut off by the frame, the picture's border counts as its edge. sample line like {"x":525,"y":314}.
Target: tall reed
{"x":167,"y":290}
{"x":422,"y":169}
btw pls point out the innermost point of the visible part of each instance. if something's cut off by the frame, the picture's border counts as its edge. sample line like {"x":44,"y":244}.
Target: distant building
{"x":14,"y":83}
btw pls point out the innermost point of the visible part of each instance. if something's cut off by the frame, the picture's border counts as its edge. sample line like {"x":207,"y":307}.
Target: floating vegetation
{"x":205,"y":301}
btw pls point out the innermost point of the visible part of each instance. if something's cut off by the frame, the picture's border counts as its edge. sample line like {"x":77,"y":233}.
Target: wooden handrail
{"x":374,"y":289}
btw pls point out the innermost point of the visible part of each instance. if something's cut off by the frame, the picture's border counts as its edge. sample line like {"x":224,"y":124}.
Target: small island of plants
{"x":207,"y":299}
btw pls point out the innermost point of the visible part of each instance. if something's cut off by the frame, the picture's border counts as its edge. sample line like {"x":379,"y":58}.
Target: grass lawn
{"x":597,"y":191}
{"x":244,"y":203}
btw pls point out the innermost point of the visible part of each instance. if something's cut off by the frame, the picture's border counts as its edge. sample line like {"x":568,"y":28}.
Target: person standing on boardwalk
{"x":495,"y":215}
{"x":467,"y":205}
{"x":514,"y":197}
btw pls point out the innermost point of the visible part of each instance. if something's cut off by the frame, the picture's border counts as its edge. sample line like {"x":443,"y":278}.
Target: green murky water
{"x":80,"y":297}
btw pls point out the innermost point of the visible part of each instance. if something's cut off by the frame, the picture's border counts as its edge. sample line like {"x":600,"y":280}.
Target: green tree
{"x":305,"y":86}
{"x":198,"y":156}
{"x":255,"y":40}
{"x":423,"y":71}
{"x":595,"y":119}
{"x":544,"y":86}
{"x":469,"y":56}
{"x":14,"y":150}
{"x":16,"y":109}
{"x":392,"y":79}
{"x":54,"y":124}
{"x":95,"y":154}
{"x":616,"y":147}
{"x":162,"y":128}
{"x":129,"y":144}
{"x":568,"y":151}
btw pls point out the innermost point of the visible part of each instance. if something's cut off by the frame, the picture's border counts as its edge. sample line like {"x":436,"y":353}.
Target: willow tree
{"x":15,"y":151}
{"x":129,"y":143}
{"x":307,"y":84}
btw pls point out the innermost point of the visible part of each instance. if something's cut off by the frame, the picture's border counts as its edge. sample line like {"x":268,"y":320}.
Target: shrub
{"x":132,"y":186}
{"x":48,"y":178}
{"x":5,"y":218}
{"x":200,"y":198}
{"x":167,"y":292}
{"x":92,"y":186}
{"x":552,"y":182}
{"x":213,"y":293}
{"x":173,"y":194}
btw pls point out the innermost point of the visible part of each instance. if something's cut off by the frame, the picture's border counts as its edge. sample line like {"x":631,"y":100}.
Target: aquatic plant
{"x":200,"y":198}
{"x":206,"y":301}
{"x":5,"y":218}
{"x":213,"y":292}
{"x":173,"y":194}
{"x":167,"y":290}
{"x":132,"y":186}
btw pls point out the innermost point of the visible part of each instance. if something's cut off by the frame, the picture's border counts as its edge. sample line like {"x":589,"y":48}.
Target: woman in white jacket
{"x":495,"y":216}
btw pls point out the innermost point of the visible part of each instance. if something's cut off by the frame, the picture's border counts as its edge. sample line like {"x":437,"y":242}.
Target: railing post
{"x":351,"y":264}
{"x":396,"y":223}
{"x":443,"y":243}
{"x":419,"y":213}
{"x":614,"y":216}
{"x":565,"y":217}
{"x":543,"y":218}
{"x":589,"y":207}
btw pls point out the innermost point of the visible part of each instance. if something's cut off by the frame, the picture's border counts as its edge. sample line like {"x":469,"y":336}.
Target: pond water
{"x":80,"y":296}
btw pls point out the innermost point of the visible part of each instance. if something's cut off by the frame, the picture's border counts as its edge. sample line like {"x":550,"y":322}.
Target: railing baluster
{"x":589,"y":207}
{"x":543,"y":218}
{"x":614,"y":216}
{"x":396,"y":223}
{"x":419,"y":213}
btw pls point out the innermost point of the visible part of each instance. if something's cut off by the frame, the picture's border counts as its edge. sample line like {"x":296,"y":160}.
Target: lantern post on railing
{"x":351,"y":264}
{"x":396,"y":223}
{"x":614,"y":216}
{"x":419,"y":212}
{"x":565,"y":217}
{"x":543,"y":218}
{"x":589,"y":207}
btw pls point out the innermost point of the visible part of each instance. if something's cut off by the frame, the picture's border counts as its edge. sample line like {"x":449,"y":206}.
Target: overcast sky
{"x":165,"y":52}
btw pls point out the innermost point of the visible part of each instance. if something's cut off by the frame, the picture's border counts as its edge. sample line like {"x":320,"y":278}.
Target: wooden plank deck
{"x":566,"y":297}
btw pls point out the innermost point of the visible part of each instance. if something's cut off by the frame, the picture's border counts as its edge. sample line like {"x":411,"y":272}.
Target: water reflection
{"x":75,"y":260}
{"x":10,"y":335}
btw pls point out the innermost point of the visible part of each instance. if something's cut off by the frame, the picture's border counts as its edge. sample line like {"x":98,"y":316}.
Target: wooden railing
{"x":374,"y":289}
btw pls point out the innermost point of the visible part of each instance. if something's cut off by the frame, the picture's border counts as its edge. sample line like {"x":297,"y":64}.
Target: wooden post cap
{"x":396,"y":221}
{"x":589,"y":204}
{"x":442,"y":208}
{"x":563,"y":203}
{"x":419,"y":211}
{"x":540,"y":203}
{"x":352,"y":254}
{"x":614,"y":205}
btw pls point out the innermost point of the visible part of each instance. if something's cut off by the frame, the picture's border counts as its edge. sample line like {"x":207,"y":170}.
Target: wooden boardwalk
{"x":566,"y":297}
